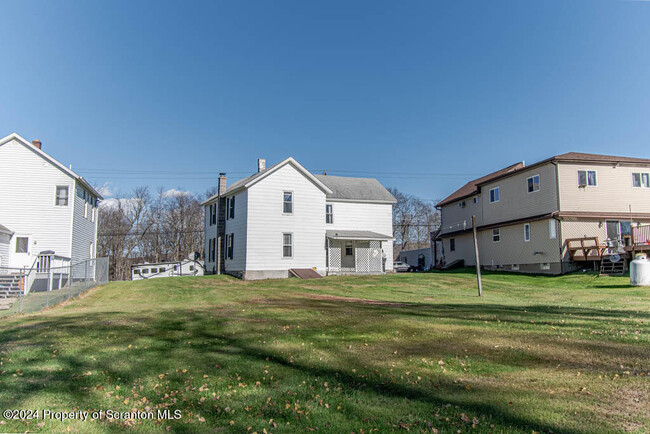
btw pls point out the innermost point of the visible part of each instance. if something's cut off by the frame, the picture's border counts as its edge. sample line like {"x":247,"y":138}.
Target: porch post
{"x":329,"y":259}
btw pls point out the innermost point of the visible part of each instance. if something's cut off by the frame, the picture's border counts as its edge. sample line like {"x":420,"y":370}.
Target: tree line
{"x":145,"y":227}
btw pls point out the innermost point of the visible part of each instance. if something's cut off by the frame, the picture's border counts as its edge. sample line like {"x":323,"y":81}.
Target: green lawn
{"x":341,"y":354}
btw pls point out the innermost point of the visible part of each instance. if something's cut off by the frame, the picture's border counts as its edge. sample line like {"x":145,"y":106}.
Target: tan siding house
{"x":528,"y":216}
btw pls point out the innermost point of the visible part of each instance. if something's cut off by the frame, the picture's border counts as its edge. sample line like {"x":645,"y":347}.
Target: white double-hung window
{"x":287,"y":202}
{"x":61,"y":195}
{"x":287,"y":245}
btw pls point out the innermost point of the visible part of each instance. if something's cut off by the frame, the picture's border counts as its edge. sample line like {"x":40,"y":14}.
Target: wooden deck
{"x":585,"y":249}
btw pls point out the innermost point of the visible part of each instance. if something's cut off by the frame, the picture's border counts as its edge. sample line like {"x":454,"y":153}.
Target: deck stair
{"x":10,"y":285}
{"x":609,"y":268}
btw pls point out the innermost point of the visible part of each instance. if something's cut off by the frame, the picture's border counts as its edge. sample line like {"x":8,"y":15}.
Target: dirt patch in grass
{"x":355,"y":300}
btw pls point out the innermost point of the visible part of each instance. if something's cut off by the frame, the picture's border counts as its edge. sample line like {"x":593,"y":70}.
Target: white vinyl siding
{"x":28,"y":182}
{"x":267,"y":222}
{"x":84,"y":228}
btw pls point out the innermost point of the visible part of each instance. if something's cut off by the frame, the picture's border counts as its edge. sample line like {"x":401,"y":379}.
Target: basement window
{"x":545,"y":266}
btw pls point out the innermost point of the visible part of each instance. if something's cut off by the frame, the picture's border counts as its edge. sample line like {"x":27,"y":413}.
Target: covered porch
{"x":355,"y":252}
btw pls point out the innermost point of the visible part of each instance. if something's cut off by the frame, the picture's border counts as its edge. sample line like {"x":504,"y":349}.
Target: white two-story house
{"x":283,"y":217}
{"x":48,"y":213}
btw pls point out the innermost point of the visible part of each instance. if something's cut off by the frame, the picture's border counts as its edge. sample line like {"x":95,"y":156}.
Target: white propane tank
{"x":640,"y":271}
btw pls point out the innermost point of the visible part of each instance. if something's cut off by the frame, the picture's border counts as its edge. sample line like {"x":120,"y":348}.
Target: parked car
{"x":401,"y":267}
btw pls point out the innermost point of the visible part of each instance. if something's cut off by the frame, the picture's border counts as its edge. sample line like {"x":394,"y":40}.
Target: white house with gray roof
{"x":48,"y":213}
{"x":283,"y":218}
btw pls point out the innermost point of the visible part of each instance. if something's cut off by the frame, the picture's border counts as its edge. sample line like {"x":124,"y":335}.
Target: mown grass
{"x":340,"y":354}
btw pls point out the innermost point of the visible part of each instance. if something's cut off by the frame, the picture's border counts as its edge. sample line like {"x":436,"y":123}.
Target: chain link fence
{"x":25,"y":291}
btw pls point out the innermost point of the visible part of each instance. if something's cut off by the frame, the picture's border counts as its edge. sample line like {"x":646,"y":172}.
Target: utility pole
{"x":478,"y":265}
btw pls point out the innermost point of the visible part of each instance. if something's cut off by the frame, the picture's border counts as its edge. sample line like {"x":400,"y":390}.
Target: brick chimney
{"x":222,"y":183}
{"x":37,"y":143}
{"x":261,"y":164}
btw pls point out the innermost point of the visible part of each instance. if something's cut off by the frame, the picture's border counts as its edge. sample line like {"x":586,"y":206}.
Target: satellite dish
{"x":615,"y":257}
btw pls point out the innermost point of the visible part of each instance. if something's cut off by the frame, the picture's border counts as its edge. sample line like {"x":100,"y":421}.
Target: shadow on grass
{"x":144,"y":347}
{"x":132,"y":350}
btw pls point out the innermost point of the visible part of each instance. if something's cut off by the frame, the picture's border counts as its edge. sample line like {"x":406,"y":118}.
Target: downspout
{"x":559,"y":229}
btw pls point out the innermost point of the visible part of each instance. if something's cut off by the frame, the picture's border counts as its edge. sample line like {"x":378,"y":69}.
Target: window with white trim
{"x":329,"y":215}
{"x":231,"y":207}
{"x":61,"y":198}
{"x":552,"y":229}
{"x":287,"y":202}
{"x":461,"y":204}
{"x":496,"y":235}
{"x":587,"y":178}
{"x":532,"y":183}
{"x":230,"y":246}
{"x":287,"y":245}
{"x":526,"y":232}
{"x":475,"y":199}
{"x":641,"y":180}
{"x":22,"y":245}
{"x":494,"y":195}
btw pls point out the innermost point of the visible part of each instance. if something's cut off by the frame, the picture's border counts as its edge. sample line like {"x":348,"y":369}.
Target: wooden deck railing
{"x":585,"y":249}
{"x":641,"y":235}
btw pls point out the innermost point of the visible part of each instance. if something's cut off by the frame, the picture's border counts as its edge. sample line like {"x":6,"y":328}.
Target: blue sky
{"x":423,"y":95}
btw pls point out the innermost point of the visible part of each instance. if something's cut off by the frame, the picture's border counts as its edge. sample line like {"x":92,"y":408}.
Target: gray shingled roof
{"x":356,"y":235}
{"x":356,"y":188}
{"x":5,"y":230}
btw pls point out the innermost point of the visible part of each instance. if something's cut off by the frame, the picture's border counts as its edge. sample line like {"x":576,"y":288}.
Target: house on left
{"x":48,"y":216}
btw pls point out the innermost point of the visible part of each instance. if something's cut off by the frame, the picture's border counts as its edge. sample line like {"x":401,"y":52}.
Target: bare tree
{"x":413,"y":220}
{"x":138,"y":227}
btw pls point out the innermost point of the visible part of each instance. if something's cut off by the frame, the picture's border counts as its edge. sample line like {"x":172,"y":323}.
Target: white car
{"x":400,"y":267}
